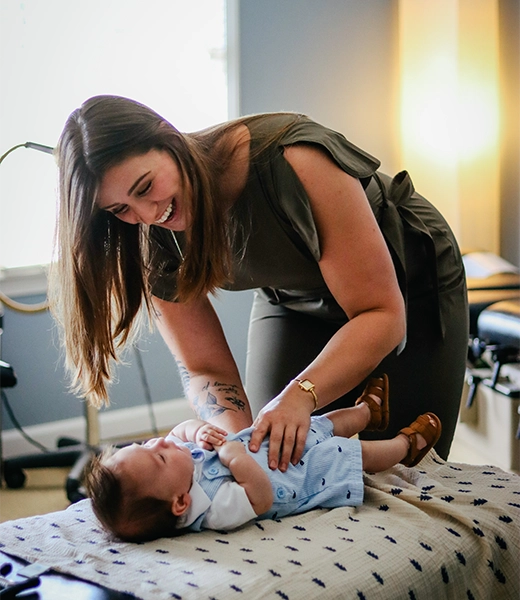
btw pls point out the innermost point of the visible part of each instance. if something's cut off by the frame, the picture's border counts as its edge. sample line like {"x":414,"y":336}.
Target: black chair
{"x":69,"y":453}
{"x":483,"y":294}
{"x":7,"y":379}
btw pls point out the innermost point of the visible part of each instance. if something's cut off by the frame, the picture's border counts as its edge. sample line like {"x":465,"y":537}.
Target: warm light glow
{"x":449,"y":111}
{"x":450,"y":126}
{"x":444,"y":117}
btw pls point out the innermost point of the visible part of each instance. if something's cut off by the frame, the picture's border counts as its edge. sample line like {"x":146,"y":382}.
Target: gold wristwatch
{"x":308,"y":386}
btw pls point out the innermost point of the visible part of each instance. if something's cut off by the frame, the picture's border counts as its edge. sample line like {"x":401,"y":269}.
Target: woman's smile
{"x":167,"y":214}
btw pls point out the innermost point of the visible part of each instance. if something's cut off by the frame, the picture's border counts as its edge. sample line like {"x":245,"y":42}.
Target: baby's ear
{"x":181,"y":504}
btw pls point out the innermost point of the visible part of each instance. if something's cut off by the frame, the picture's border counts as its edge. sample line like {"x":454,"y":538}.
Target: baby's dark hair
{"x":128,"y":517}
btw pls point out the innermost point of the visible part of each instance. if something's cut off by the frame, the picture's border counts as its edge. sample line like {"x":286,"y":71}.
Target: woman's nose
{"x":145,"y":212}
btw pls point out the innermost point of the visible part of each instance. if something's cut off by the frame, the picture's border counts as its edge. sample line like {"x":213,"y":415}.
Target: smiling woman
{"x":146,"y":189}
{"x":179,"y":46}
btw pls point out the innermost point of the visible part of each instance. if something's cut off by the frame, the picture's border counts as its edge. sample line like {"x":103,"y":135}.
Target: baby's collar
{"x":200,"y":503}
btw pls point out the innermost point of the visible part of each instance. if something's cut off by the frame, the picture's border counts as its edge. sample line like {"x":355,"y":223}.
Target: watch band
{"x":308,"y":386}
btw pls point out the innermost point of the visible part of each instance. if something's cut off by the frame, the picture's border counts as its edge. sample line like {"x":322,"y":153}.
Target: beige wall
{"x":509,"y":24}
{"x":337,"y":60}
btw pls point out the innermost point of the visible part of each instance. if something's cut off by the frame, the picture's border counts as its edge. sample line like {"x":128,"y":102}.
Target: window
{"x":168,"y":54}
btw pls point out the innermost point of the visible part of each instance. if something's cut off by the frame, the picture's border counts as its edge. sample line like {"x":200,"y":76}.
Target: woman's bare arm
{"x":210,"y":377}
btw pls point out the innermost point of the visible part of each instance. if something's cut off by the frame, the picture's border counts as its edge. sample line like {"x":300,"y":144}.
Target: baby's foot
{"x":375,"y":402}
{"x":420,"y":442}
{"x":422,"y":435}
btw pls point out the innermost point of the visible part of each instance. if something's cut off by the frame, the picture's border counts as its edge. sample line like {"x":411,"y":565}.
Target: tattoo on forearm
{"x":240,"y":404}
{"x":210,"y":407}
{"x":184,"y":375}
{"x":233,"y":390}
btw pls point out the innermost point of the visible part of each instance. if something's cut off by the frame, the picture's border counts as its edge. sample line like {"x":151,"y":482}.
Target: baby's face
{"x":159,"y":468}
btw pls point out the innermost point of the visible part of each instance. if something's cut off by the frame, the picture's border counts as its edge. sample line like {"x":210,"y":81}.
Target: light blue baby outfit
{"x":328,"y":475}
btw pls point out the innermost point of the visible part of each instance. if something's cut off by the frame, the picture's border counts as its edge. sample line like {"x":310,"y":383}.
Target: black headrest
{"x":480,"y":299}
{"x":7,"y":376}
{"x":499,"y":324}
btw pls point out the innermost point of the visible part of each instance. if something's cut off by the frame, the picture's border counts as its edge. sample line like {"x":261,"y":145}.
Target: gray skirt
{"x":426,"y":376}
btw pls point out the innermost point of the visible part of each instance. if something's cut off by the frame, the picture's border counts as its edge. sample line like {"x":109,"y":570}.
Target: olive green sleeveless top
{"x":276,"y":245}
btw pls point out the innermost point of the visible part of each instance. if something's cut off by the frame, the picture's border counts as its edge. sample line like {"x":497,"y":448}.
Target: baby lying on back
{"x":199,"y":476}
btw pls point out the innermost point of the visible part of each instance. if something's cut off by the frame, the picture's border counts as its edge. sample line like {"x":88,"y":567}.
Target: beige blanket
{"x":442,"y":530}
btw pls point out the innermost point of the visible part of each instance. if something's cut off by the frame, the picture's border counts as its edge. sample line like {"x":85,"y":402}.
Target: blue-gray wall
{"x":30,"y":345}
{"x":334,"y":60}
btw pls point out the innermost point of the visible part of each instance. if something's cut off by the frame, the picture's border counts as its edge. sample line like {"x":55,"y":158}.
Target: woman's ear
{"x":181,"y":504}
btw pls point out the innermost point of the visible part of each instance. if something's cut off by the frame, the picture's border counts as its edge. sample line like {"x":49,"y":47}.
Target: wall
{"x":333,"y":60}
{"x":30,"y":345}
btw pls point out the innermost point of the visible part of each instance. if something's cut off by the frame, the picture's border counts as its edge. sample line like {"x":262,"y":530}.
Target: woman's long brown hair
{"x":100,"y":277}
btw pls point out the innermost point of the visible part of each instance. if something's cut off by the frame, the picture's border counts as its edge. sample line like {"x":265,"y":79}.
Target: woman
{"x":353,"y":271}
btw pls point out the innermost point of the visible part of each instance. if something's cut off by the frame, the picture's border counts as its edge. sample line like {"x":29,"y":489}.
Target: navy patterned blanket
{"x":442,"y":530}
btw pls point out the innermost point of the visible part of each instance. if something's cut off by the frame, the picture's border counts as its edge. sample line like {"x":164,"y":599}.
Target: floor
{"x":461,"y":453}
{"x":44,"y":492}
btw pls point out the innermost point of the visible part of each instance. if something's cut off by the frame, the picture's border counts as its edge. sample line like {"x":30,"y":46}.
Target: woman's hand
{"x":287,"y":419}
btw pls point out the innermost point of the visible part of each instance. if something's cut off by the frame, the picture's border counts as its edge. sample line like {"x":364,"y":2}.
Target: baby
{"x":199,"y":476}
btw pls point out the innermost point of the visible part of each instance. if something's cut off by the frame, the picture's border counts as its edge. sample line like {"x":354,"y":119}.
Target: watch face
{"x":306,"y":385}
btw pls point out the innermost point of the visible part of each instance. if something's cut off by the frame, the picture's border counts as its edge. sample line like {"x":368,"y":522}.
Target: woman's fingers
{"x":301,"y":438}
{"x":261,"y":429}
{"x":275,"y":443}
{"x":287,"y":435}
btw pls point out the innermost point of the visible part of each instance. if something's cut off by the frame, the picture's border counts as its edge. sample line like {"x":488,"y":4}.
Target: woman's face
{"x":146,"y":188}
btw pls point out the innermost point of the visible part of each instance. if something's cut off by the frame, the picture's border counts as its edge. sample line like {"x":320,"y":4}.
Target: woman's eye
{"x":120,"y":210}
{"x":162,"y":458}
{"x":145,"y":189}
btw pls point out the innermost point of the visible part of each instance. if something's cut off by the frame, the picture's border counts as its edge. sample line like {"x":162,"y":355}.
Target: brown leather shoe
{"x":379,"y":414}
{"x":430,"y":432}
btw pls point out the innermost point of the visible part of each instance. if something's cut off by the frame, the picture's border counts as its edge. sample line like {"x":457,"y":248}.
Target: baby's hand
{"x":210,"y":437}
{"x":229,"y":450}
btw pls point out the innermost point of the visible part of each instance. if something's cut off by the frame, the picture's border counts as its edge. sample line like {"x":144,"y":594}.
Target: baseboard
{"x":132,"y":422}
